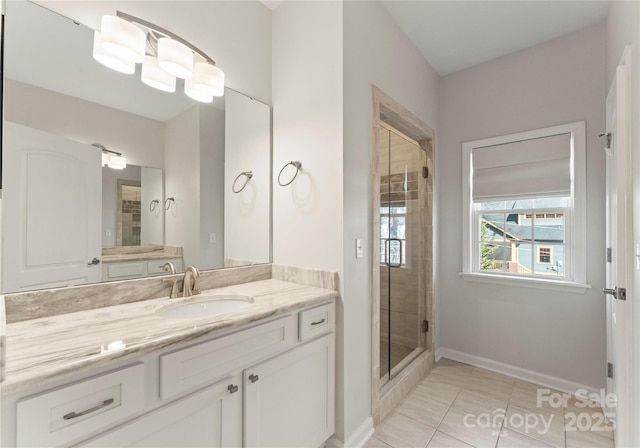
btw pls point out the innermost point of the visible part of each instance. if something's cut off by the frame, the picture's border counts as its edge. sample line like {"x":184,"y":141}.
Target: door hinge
{"x":609,"y":370}
{"x":425,"y":326}
{"x":425,"y":172}
{"x":608,"y":255}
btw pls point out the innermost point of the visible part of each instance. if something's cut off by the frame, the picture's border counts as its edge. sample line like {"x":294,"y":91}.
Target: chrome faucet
{"x":169,"y":267}
{"x":191,"y":273}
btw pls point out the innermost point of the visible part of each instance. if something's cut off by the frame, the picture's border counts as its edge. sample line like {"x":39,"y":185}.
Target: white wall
{"x":375,"y":52}
{"x":212,"y":163}
{"x":139,"y":139}
{"x":623,"y":28}
{"x":182,"y":182}
{"x":307,"y":126}
{"x":554,"y":333}
{"x":234,"y":33}
{"x":247,"y":215}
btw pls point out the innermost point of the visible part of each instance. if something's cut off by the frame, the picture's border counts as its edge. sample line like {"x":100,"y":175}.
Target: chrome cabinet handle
{"x":74,"y":414}
{"x":253,"y":378}
{"x":232,"y":388}
{"x":321,"y":321}
{"x":93,"y":262}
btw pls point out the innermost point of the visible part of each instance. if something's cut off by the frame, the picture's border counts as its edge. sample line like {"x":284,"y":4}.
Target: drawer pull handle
{"x":321,"y":321}
{"x":253,"y":378}
{"x":232,"y":388}
{"x":104,"y":404}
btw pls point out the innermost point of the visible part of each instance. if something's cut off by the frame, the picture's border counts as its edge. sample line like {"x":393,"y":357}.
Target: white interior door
{"x":52,"y":203}
{"x":618,"y":213}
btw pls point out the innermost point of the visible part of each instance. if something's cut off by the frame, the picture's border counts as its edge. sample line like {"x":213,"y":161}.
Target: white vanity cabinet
{"x":211,"y":417}
{"x":124,"y":270}
{"x":289,"y":399}
{"x":268,"y":384}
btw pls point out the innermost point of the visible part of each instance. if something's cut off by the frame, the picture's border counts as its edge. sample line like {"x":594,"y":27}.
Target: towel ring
{"x":298,"y":166}
{"x":153,"y":204}
{"x":169,"y":200}
{"x":248,"y":175}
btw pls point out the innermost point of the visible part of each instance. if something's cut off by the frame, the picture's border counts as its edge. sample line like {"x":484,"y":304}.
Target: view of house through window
{"x":525,"y":237}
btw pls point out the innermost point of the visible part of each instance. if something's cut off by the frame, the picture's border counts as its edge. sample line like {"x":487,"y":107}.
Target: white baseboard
{"x":357,"y":439}
{"x":532,"y":376}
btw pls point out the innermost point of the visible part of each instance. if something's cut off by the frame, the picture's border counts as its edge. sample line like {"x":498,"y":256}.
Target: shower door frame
{"x":386,"y":393}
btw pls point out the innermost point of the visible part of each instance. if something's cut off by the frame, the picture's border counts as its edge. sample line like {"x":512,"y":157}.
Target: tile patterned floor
{"x":459,"y":405}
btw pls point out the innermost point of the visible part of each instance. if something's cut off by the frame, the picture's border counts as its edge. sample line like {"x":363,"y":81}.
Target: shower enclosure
{"x":403,"y":254}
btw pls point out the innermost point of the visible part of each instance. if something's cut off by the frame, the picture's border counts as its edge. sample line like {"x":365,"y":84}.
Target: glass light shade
{"x":175,"y":58}
{"x":154,"y":76}
{"x":192,"y":92}
{"x":123,"y":39}
{"x":208,"y":79}
{"x":108,"y":59}
{"x":105,"y":158}
{"x":117,"y":162}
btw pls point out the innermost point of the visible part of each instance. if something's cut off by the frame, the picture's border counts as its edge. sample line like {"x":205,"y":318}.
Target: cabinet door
{"x":211,"y":417}
{"x":289,"y":400}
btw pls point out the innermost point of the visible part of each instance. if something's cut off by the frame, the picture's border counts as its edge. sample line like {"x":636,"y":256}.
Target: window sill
{"x":555,"y":285}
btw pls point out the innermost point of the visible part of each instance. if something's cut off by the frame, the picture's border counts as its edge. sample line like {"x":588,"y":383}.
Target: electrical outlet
{"x":359,"y":249}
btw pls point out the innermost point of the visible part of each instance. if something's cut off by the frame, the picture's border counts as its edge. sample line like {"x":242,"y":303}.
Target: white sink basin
{"x":206,"y":305}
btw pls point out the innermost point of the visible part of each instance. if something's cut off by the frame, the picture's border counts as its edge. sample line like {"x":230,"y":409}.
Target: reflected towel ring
{"x":248,"y":175}
{"x":298,"y":166}
{"x":169,"y":200}
{"x":153,"y":204}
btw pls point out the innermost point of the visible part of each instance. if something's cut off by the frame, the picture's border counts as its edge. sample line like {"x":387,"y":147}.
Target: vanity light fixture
{"x":110,"y":158}
{"x":125,"y":40}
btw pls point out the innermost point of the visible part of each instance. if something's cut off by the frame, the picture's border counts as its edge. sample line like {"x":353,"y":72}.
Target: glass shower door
{"x":401,"y":251}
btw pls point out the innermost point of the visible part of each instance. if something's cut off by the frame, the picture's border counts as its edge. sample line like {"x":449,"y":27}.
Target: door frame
{"x":385,"y":397}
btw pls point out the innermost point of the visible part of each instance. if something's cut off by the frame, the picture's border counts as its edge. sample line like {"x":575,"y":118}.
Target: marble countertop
{"x":42,"y":351}
{"x":141,"y":256}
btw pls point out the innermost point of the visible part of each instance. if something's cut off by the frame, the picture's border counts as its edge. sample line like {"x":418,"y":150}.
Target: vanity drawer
{"x":62,"y":415}
{"x":127,"y":269}
{"x":200,"y":364}
{"x":317,"y":321}
{"x":154,"y":267}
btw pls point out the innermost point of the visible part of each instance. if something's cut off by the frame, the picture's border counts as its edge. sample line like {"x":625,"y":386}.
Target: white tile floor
{"x":459,"y":405}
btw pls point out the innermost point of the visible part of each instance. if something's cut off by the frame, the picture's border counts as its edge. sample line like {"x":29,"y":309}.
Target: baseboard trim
{"x":357,"y":439}
{"x":532,"y":376}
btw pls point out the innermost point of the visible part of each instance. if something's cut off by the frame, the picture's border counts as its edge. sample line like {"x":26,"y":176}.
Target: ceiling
{"x":454,"y":35}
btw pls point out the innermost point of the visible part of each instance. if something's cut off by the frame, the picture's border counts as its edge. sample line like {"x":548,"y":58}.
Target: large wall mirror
{"x":196,"y":189}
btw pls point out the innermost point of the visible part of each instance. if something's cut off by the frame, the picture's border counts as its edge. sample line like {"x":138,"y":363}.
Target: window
{"x":544,"y":255}
{"x":392,"y":235}
{"x":525,"y":197}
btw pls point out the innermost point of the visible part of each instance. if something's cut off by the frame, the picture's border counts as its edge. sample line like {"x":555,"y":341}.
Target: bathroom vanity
{"x":131,"y":375}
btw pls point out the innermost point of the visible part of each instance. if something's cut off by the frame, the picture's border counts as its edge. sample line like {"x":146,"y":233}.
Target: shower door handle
{"x":393,"y":265}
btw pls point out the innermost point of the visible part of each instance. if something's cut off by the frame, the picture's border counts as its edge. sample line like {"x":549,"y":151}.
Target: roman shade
{"x":539,"y":167}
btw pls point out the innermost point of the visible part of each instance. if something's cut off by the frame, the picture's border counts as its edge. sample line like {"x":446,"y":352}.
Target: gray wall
{"x":552,"y":333}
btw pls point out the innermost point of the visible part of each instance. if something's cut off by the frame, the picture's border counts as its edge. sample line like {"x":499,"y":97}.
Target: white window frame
{"x":576,"y":229}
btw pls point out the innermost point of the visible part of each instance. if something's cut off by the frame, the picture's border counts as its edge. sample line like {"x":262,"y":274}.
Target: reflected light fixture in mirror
{"x":164,"y":57}
{"x":111,"y":159}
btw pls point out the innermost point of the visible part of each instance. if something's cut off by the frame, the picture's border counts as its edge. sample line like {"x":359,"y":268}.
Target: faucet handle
{"x":174,"y":287}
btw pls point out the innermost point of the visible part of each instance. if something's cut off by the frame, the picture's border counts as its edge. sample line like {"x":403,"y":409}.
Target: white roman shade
{"x":539,"y":167}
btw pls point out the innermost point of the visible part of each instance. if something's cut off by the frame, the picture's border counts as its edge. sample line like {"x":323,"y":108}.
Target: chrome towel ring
{"x":298,"y":166}
{"x":248,"y":175}
{"x":153,"y":204}
{"x":167,"y":203}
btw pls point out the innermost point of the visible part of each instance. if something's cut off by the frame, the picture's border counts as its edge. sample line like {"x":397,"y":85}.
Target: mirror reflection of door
{"x":129,"y":213}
